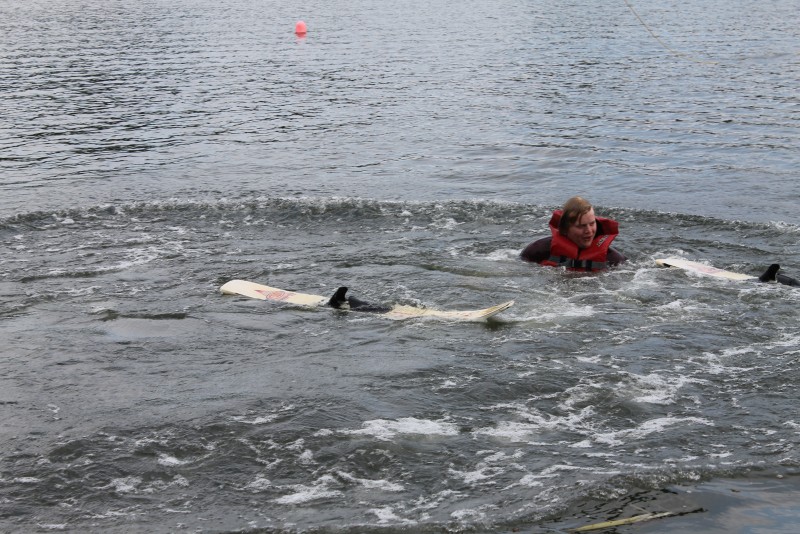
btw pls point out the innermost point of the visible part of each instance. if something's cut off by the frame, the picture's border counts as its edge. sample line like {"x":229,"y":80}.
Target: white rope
{"x":665,"y":45}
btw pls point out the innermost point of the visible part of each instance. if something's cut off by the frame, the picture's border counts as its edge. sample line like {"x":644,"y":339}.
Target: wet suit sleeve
{"x":614,"y":257}
{"x":537,"y":251}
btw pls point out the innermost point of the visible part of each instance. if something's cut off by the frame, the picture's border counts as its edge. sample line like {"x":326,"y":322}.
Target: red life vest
{"x":565,"y":253}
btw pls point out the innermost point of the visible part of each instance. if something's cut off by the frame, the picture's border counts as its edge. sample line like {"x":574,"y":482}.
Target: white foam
{"x":259,"y":484}
{"x":532,"y":481}
{"x":178,"y":480}
{"x":536,"y":423}
{"x":384,"y":485}
{"x":258,"y":420}
{"x":655,"y":388}
{"x":143,"y":442}
{"x":684,"y":307}
{"x":386,"y":515}
{"x":447,"y":223}
{"x":125,"y":484}
{"x":296,"y":445}
{"x":52,"y":526}
{"x":720,"y":455}
{"x":553,"y":469}
{"x":513,"y":431}
{"x":170,"y":461}
{"x":500,"y":456}
{"x":303,"y":494}
{"x":503,"y":254}
{"x":651,"y":426}
{"x":481,"y":474}
{"x":468,"y":515}
{"x":715,"y":362}
{"x":113,"y":514}
{"x":385,"y":430}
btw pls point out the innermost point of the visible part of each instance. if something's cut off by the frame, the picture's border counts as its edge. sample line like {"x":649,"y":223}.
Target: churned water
{"x":152,"y":151}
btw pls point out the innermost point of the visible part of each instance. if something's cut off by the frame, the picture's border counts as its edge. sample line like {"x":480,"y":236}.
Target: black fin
{"x":769,"y":274}
{"x":338,"y":298}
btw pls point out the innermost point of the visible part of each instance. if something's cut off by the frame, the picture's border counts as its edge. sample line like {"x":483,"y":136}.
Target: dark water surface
{"x":151,"y":151}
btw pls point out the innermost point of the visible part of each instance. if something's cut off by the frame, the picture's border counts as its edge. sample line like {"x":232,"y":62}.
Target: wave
{"x":357,"y":208}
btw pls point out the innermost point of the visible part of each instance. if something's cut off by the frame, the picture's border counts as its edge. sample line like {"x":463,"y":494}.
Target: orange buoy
{"x":300,"y":28}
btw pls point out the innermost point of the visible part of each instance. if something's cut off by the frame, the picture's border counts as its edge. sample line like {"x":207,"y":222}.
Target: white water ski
{"x":398,"y":312}
{"x":770,"y":275}
{"x":702,"y":268}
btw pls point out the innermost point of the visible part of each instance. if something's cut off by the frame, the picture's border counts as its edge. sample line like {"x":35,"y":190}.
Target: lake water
{"x":151,"y":151}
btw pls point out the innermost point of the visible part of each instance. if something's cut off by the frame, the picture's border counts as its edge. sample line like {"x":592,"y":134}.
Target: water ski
{"x":770,"y":275}
{"x":341,"y":301}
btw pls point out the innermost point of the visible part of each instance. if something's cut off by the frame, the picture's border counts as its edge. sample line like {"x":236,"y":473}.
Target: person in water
{"x":579,"y":241}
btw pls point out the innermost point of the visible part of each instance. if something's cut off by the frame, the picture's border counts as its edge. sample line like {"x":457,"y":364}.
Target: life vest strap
{"x":569,"y":263}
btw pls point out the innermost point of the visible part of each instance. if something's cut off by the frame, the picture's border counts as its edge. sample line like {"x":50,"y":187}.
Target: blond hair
{"x":573,"y":209}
